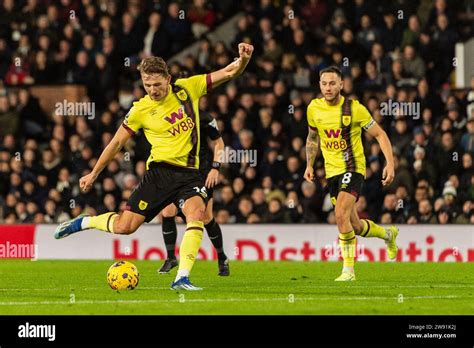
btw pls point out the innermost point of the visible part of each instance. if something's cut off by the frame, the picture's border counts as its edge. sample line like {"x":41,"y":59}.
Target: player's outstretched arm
{"x":379,"y":134}
{"x":312,"y":148}
{"x":213,"y":175}
{"x":235,"y":68}
{"x":111,"y":150}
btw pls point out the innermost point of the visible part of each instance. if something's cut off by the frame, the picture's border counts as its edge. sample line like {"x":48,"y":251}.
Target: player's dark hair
{"x":331,"y":69}
{"x":153,"y":65}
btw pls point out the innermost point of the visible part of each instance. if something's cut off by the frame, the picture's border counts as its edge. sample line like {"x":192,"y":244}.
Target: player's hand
{"x":86,"y":182}
{"x":309,"y":174}
{"x":212,"y":178}
{"x":388,"y":174}
{"x":245,"y":50}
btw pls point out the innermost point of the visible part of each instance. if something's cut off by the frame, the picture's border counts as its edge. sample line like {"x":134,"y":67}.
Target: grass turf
{"x":285,"y":288}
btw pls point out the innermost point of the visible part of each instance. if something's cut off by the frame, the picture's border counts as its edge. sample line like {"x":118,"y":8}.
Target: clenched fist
{"x":245,"y":50}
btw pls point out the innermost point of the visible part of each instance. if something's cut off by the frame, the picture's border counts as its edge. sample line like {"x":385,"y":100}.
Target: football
{"x":123,"y":275}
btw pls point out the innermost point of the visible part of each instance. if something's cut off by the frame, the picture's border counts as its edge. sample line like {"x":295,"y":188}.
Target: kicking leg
{"x":126,"y":222}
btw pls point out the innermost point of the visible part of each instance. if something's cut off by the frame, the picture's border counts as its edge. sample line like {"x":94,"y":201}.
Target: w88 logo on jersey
{"x":182,"y":126}
{"x":336,"y":144}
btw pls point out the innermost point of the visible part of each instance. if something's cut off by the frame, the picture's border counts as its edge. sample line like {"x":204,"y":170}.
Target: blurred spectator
{"x":391,"y":31}
{"x":444,"y":39}
{"x":157,"y":41}
{"x":312,"y":203}
{"x":413,"y":65}
{"x":444,"y":216}
{"x":412,"y":33}
{"x":276,"y":212}
{"x":179,"y":28}
{"x":245,"y":208}
{"x":466,"y":214}
{"x":367,"y":34}
{"x":393,"y":208}
{"x":467,"y":140}
{"x":202,"y":19}
{"x":9,"y":121}
{"x":314,"y":13}
{"x":449,"y":195}
{"x":425,"y":212}
{"x":129,"y":35}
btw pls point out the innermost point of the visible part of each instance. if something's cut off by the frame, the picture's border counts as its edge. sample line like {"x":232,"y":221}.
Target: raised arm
{"x":312,"y":149}
{"x":111,"y":150}
{"x":379,"y":134}
{"x":235,"y":68}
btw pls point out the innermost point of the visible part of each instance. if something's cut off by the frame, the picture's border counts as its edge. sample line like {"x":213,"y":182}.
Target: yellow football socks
{"x":104,"y":222}
{"x":189,"y":248}
{"x":371,"y":229}
{"x":347,"y":242}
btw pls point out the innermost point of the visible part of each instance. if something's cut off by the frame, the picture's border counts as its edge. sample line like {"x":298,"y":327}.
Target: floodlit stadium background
{"x":68,"y":76}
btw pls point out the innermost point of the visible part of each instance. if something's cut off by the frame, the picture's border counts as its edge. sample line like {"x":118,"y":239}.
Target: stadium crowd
{"x":388,"y":55}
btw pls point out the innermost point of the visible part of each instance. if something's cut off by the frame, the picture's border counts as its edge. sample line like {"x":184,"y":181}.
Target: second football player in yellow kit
{"x":335,"y":125}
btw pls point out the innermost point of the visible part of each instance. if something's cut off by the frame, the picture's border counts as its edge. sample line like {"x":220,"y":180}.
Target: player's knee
{"x":167,"y":214}
{"x":207,"y":218}
{"x":125,"y":228}
{"x":169,"y":211}
{"x":196,"y":215}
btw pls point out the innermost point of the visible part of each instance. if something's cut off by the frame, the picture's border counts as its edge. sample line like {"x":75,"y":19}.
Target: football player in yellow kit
{"x":169,"y":118}
{"x":335,"y":125}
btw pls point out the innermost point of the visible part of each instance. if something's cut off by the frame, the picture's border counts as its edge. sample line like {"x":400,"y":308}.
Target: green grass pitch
{"x":284,"y":288}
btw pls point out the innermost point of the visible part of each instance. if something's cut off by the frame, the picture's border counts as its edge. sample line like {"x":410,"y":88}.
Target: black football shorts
{"x":162,"y":185}
{"x":350,"y":182}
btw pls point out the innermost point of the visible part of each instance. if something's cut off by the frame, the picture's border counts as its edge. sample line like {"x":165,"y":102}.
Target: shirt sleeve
{"x":197,"y":85}
{"x":310,"y":115}
{"x":132,"y":121}
{"x":213,"y":130}
{"x":364,"y":117}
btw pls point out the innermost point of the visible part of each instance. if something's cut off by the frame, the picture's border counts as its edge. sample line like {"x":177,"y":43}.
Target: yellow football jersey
{"x":172,"y":131}
{"x":339,"y":128}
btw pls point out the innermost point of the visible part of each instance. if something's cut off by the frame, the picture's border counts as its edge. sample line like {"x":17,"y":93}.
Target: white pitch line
{"x":339,"y":286}
{"x":389,"y":286}
{"x":285,"y":299}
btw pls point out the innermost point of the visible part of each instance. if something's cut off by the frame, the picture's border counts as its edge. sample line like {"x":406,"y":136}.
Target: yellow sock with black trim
{"x":189,"y":247}
{"x":371,"y":229}
{"x":347,"y":243}
{"x":103,"y":222}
